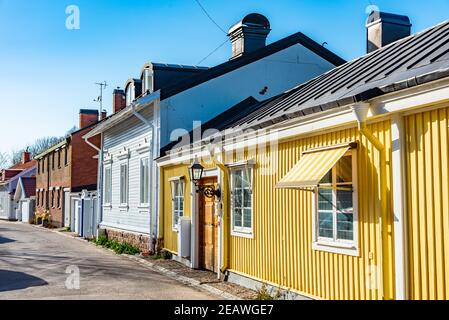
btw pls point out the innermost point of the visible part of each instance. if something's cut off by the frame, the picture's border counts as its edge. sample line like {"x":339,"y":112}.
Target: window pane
{"x":247,"y":218}
{"x":325,"y":199}
{"x":237,"y":197}
{"x":237,"y":218}
{"x":237,"y":179}
{"x":345,"y":217}
{"x":326,"y":224}
{"x":327,"y":179}
{"x":247,"y":198}
{"x":344,"y":170}
{"x":344,"y":201}
{"x":325,"y":213}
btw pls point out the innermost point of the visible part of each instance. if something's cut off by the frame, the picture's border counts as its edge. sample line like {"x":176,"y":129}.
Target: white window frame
{"x":108,"y":186}
{"x":177,"y":198}
{"x":130,"y":94}
{"x":345,"y":247}
{"x":242,"y":232}
{"x":141,"y":181}
{"x":124,"y":204}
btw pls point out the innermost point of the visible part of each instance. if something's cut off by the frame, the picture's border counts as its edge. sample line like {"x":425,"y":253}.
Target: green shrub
{"x":264,"y":294}
{"x":117,"y":247}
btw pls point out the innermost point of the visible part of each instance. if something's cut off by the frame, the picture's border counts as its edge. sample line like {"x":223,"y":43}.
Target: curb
{"x":149,"y":265}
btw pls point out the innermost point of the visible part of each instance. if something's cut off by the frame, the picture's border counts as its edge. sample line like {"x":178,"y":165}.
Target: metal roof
{"x":408,"y":62}
{"x":221,"y":69}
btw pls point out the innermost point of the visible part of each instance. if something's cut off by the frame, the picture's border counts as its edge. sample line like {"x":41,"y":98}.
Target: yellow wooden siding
{"x":281,"y":251}
{"x":427,"y":143}
{"x":171,"y":237}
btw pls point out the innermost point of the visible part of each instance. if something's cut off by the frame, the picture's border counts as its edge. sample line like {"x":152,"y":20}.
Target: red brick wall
{"x":84,"y":166}
{"x":54,"y":176}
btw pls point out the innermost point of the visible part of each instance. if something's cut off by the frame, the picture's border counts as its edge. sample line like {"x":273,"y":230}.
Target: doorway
{"x":208,"y":229}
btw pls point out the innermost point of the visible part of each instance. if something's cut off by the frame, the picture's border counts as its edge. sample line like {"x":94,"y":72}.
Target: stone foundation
{"x":142,"y":242}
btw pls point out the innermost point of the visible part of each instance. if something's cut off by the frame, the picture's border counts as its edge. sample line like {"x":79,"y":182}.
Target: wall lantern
{"x":196,"y":171}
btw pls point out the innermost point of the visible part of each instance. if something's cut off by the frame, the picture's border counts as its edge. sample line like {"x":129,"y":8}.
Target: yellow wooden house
{"x":336,"y":189}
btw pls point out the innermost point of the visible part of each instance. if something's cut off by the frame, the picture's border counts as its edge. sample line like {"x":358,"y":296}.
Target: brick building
{"x":68,"y":167}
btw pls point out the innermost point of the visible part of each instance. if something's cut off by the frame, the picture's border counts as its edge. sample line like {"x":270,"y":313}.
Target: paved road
{"x":33,"y":265}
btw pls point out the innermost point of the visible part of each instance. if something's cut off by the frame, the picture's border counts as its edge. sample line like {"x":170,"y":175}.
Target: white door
{"x":67,"y":209}
{"x":25,"y":211}
{"x":77,"y":215}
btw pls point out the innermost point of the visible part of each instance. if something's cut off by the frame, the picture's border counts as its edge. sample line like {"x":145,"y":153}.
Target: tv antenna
{"x":102,"y":86}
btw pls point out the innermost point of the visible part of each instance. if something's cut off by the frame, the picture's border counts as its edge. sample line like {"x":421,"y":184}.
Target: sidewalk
{"x":205,"y":280}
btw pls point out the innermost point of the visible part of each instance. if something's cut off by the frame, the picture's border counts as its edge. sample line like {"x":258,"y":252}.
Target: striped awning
{"x":312,"y":167}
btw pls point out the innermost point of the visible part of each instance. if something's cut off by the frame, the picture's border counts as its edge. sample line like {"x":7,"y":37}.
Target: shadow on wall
{"x":11,"y":281}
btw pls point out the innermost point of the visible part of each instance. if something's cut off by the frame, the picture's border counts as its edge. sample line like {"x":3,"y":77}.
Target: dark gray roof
{"x":297,"y":38}
{"x":408,"y":62}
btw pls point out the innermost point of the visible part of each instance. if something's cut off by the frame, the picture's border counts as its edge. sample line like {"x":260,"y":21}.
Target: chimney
{"x":88,"y":117}
{"x":118,"y":100}
{"x":384,"y":28}
{"x":249,"y":34}
{"x":26,"y":157}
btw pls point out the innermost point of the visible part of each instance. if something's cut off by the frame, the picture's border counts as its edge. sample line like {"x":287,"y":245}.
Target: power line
{"x":210,"y":18}
{"x":215,"y":50}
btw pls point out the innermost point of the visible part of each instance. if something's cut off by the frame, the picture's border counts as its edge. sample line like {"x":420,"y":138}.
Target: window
{"x":335,"y":203}
{"x":178,"y":189}
{"x":66,"y":156}
{"x":38,"y":166}
{"x":242,"y":201}
{"x":129,"y":94}
{"x":108,"y":185}
{"x":59,"y":158}
{"x":147,"y":81}
{"x":58,"y":198}
{"x":124,"y":184}
{"x":144,"y":181}
{"x":53,"y":161}
{"x":52,"y":198}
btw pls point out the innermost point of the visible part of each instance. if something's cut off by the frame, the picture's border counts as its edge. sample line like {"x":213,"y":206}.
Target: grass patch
{"x":163,"y":255}
{"x":117,"y":247}
{"x":264,"y":294}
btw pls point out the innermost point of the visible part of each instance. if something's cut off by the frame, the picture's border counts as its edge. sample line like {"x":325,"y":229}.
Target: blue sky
{"x":47,"y":73}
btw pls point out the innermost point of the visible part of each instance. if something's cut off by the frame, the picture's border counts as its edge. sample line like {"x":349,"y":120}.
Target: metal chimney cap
{"x":378,"y":16}
{"x":252,"y":20}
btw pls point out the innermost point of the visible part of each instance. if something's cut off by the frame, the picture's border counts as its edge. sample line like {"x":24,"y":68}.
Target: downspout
{"x":152,"y":98}
{"x":99,"y":179}
{"x":360,"y":111}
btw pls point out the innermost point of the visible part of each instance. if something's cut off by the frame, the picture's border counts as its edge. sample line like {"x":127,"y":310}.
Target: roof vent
{"x":249,"y":34}
{"x":385,"y":28}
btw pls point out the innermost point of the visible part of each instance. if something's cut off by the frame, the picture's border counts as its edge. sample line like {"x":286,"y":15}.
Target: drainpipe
{"x":146,"y":101}
{"x":360,"y":111}
{"x":99,"y":179}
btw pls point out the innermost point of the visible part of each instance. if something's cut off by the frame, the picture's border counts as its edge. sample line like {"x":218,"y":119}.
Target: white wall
{"x":279,"y":72}
{"x":129,"y":134}
{"x":6,"y":205}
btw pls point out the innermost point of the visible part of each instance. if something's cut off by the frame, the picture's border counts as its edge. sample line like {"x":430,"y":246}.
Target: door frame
{"x":194,"y":209}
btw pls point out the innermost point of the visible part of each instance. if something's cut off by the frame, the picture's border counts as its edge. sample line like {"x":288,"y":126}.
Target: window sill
{"x":242,"y":234}
{"x":107,"y":206}
{"x":337,"y":248}
{"x":123,"y":206}
{"x":144,"y":206}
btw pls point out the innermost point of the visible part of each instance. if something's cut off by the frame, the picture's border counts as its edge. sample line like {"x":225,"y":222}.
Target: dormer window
{"x":147,"y":81}
{"x":133,"y":90}
{"x":130,"y":94}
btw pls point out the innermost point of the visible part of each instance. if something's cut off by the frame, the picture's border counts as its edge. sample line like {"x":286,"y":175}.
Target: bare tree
{"x":39,"y":146}
{"x":4,"y":161}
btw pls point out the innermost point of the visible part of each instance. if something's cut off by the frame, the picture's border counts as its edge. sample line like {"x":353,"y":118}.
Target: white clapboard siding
{"x":5,"y":205}
{"x":130,"y":134}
